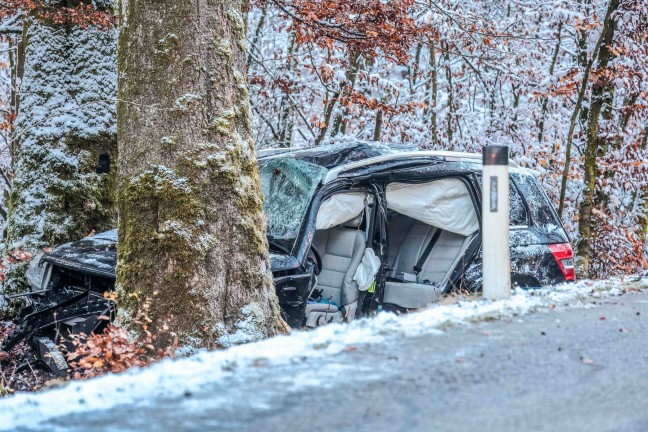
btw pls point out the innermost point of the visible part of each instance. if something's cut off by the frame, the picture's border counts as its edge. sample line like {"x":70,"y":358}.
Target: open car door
{"x":432,"y":226}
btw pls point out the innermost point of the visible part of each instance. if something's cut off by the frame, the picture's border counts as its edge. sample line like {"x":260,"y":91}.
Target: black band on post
{"x":496,"y":155}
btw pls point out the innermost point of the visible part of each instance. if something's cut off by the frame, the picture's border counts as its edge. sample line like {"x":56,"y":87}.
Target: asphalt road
{"x":578,"y":369}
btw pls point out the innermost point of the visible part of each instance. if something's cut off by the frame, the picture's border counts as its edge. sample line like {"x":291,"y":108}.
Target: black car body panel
{"x":94,"y":255}
{"x":81,"y":271}
{"x":98,"y":255}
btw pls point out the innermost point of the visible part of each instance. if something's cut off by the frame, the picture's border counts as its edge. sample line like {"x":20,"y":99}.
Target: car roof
{"x":341,"y":158}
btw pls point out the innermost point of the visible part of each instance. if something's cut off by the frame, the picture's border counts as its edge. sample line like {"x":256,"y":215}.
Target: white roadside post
{"x":495,"y":223}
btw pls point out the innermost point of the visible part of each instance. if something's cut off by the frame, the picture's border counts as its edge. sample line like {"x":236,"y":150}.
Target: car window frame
{"x":512,"y":181}
{"x":307,"y":232}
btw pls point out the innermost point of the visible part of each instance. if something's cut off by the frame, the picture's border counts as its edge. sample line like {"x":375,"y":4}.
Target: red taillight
{"x":564,"y":256}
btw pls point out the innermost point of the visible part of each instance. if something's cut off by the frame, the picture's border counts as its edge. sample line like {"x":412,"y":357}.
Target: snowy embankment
{"x":176,"y":377}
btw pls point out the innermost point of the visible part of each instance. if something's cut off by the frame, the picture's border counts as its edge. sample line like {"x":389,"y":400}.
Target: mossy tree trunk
{"x":642,"y":219}
{"x":600,"y":108}
{"x":191,"y":225}
{"x":65,"y":136}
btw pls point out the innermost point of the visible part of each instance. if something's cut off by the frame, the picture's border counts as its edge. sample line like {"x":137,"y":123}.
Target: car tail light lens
{"x":564,"y":256}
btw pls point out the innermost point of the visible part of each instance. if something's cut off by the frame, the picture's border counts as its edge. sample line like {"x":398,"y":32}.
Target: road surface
{"x":568,"y":369}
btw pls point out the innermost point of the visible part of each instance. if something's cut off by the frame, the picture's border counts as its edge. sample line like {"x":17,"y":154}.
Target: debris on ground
{"x":15,"y":371}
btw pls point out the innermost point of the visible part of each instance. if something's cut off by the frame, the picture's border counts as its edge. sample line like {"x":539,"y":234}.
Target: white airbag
{"x":340,"y":208}
{"x":367,"y":269}
{"x":445,"y":204}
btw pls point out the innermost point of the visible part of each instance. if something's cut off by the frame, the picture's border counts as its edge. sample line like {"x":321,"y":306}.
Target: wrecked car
{"x":352,"y":230}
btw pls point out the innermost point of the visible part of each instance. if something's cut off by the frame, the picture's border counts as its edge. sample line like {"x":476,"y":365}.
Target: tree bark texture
{"x":600,"y":106}
{"x":433,"y":89}
{"x":448,"y":72}
{"x":579,"y":109}
{"x":191,"y":225}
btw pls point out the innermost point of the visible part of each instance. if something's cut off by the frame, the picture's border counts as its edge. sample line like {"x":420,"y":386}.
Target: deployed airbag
{"x":366,"y":272}
{"x":445,"y":204}
{"x":340,"y":208}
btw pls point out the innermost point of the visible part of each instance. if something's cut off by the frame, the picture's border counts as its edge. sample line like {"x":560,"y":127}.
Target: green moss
{"x":223,"y":48}
{"x":184,"y":102}
{"x":161,"y":214}
{"x":237,"y":23}
{"x":167,"y":44}
{"x":168,"y":214}
{"x":223,"y":123}
{"x":169,"y":142}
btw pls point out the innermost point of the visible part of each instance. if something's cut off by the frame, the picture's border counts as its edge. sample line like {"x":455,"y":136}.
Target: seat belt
{"x":361,"y":296}
{"x":426,"y":253}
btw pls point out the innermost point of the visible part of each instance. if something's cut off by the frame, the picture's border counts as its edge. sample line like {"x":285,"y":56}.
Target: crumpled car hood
{"x":98,"y":255}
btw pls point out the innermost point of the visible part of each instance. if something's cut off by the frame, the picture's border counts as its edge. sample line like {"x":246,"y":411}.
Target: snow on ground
{"x":177,"y":376}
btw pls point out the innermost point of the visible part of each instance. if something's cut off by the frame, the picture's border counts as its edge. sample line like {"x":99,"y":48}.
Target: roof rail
{"x":448,"y":156}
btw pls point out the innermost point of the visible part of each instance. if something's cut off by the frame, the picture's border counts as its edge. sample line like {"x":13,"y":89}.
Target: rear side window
{"x":518,"y":211}
{"x":542,"y":211}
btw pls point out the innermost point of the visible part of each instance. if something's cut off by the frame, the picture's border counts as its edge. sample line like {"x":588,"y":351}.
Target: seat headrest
{"x":354,"y":223}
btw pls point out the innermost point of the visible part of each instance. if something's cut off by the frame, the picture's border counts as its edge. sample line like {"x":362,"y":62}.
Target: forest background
{"x":562,"y":82}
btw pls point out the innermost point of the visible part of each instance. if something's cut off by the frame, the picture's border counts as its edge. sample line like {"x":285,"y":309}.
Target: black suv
{"x":352,"y":230}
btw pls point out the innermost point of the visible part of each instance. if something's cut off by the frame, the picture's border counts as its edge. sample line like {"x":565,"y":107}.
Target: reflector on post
{"x":495,"y":223}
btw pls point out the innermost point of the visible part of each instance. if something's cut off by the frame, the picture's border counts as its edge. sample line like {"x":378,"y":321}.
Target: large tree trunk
{"x":191,"y":225}
{"x":65,"y":139}
{"x":600,"y":106}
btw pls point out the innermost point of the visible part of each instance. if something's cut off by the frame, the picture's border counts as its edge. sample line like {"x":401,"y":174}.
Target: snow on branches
{"x":96,"y":13}
{"x":368,"y":27}
{"x":458,"y":75}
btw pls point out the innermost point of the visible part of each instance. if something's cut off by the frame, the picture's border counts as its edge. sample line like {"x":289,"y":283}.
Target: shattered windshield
{"x":288,"y":185}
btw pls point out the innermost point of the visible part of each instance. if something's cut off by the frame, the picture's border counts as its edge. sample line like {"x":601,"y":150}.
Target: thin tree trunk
{"x":642,"y":219}
{"x":192,"y":231}
{"x":339,"y":124}
{"x":378,"y":128}
{"x":545,"y":100}
{"x":412,"y":70}
{"x":577,"y":110}
{"x":328,"y":112}
{"x":286,"y":118}
{"x":582,"y":58}
{"x":448,"y":72}
{"x":600,"y":106}
{"x":16,"y":64}
{"x":431,"y":91}
{"x":257,"y":33}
